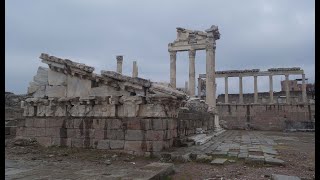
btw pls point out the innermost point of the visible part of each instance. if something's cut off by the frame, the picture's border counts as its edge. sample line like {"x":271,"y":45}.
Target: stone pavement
{"x":251,"y":146}
{"x":19,"y":169}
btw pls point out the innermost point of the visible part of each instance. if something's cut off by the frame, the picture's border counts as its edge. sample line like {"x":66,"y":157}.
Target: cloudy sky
{"x":254,"y":34}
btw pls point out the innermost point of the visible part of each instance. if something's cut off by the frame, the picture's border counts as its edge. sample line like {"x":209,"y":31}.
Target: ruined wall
{"x":266,"y":117}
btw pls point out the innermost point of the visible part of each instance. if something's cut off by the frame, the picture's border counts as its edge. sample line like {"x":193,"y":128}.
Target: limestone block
{"x":33,"y":87}
{"x":114,"y":124}
{"x":152,"y":135}
{"x":29,"y":122}
{"x":100,"y":134}
{"x":41,"y":92}
{"x":130,"y":110}
{"x":39,"y":123}
{"x":107,"y":91}
{"x":41,"y":110}
{"x":80,"y":111}
{"x":159,"y":124}
{"x":56,"y":78}
{"x":103,"y":144}
{"x":99,"y":123}
{"x":55,"y":122}
{"x":49,"y":111}
{"x":135,"y":135}
{"x":56,"y":91}
{"x":44,"y":141}
{"x":135,"y":124}
{"x":115,"y":134}
{"x":107,"y":110}
{"x":152,"y":110}
{"x":155,"y":146}
{"x":136,"y":146}
{"x":60,"y":110}
{"x":116,"y":144}
{"x":42,"y":76}
{"x":40,"y":132}
{"x":77,"y":87}
{"x":28,"y":111}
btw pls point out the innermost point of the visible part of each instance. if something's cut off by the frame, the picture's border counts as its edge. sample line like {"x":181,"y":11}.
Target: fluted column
{"x":240,"y":90}
{"x":287,"y":88}
{"x":210,"y":76}
{"x":173,"y":55}
{"x":271,"y":88}
{"x":192,"y":73}
{"x":304,"y":91}
{"x":255,"y":89}
{"x":119,"y":64}
{"x":226,"y":98}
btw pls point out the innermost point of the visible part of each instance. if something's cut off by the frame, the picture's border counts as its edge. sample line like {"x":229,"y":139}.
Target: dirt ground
{"x":297,"y":149}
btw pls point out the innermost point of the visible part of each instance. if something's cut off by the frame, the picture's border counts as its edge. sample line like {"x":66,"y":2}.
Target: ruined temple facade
{"x":72,"y":106}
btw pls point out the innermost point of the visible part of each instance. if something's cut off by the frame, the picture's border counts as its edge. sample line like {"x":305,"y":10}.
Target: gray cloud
{"x":255,"y":34}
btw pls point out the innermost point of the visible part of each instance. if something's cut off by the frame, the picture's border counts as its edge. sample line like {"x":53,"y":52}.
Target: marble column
{"x":210,"y":76}
{"x":199,"y":87}
{"x":255,"y":89}
{"x":287,"y":88}
{"x":271,"y":88}
{"x":119,"y":64}
{"x":135,"y":69}
{"x":173,"y":55}
{"x":226,"y":98}
{"x":304,"y":91}
{"x":192,"y":72}
{"x":240,"y":90}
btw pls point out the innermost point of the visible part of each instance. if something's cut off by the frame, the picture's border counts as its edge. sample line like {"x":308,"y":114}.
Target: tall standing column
{"x":240,"y":90}
{"x":287,"y":88}
{"x":199,"y":87}
{"x":135,"y":69}
{"x":119,"y":64}
{"x":226,"y":98}
{"x":255,"y":89}
{"x":173,"y":55}
{"x":192,"y":72}
{"x":304,"y":92}
{"x":271,"y":88}
{"x":210,"y":76}
{"x":186,"y":86}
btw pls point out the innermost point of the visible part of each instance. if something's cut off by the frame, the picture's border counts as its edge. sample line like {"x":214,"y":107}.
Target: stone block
{"x":56,"y":78}
{"x":77,"y":142}
{"x":117,"y":144}
{"x":68,"y":123}
{"x":154,"y":135}
{"x":108,"y":110}
{"x":55,"y":122}
{"x":42,"y":76}
{"x":159,"y":124}
{"x":21,"y":132}
{"x":130,"y":110}
{"x":283,"y":177}
{"x":172,"y":123}
{"x":77,"y":87}
{"x":44,"y":141}
{"x":41,"y":110}
{"x":103,"y":144}
{"x":29,"y":122}
{"x":135,"y":146}
{"x":152,"y":110}
{"x":40,"y":92}
{"x":56,"y":132}
{"x":49,"y":111}
{"x":33,"y":87}
{"x":30,"y":132}
{"x":100,"y":134}
{"x":60,"y":110}
{"x":41,"y":123}
{"x":40,"y":132}
{"x":99,"y":123}
{"x":114,"y":124}
{"x":135,"y":135}
{"x":56,"y":91}
{"x":78,"y":123}
{"x":134,"y":123}
{"x":156,"y":146}
{"x":219,"y":161}
{"x":107,"y":91}
{"x":115,"y":134}
{"x":71,"y":133}
{"x":85,"y":133}
{"x":146,"y":124}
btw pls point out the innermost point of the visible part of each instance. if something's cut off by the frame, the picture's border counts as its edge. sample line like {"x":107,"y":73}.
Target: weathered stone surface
{"x":56,"y":91}
{"x":103,"y":144}
{"x":137,"y":146}
{"x":153,"y":135}
{"x":136,"y":135}
{"x":42,"y":76}
{"x":33,"y":87}
{"x":56,"y":78}
{"x":219,"y":161}
{"x":274,"y":161}
{"x":203,"y":158}
{"x":107,"y":91}
{"x":115,"y":134}
{"x":283,"y":177}
{"x":117,"y":144}
{"x":77,"y":87}
{"x":40,"y":92}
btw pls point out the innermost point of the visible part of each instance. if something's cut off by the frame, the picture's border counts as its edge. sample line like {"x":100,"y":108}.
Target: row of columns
{"x":119,"y":66}
{"x":226,"y":100}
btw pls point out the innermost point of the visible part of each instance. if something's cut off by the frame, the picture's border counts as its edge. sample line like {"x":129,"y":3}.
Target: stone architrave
{"x":56,"y":91}
{"x":56,"y":78}
{"x":77,"y":87}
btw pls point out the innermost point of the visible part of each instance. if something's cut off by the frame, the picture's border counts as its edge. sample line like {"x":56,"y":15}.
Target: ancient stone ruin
{"x":72,"y":106}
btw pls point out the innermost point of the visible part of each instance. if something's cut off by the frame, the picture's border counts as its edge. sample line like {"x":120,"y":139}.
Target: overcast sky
{"x":254,"y":34}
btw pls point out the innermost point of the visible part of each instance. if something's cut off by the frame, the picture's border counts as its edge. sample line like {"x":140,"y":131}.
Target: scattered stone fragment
{"x":274,"y":161}
{"x":203,"y":158}
{"x":231,"y":160}
{"x":219,"y":161}
{"x":283,"y":177}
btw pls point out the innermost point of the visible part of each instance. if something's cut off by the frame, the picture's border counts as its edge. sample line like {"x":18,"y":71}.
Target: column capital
{"x":192,"y":53}
{"x":210,"y":46}
{"x":173,"y":54}
{"x":119,"y":58}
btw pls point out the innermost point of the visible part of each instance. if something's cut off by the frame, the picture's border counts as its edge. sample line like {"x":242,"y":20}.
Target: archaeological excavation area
{"x":111,"y":117}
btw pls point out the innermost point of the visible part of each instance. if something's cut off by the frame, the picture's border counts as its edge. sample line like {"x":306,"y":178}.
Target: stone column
{"x":240,"y":90}
{"x":304,"y":91}
{"x":226,"y":98}
{"x":287,"y":88}
{"x":255,"y":89}
{"x":186,"y":86}
{"x":210,"y":76}
{"x":173,"y":55}
{"x":199,"y":87}
{"x":192,"y":72}
{"x":135,"y":69}
{"x":271,"y":88}
{"x":119,"y":64}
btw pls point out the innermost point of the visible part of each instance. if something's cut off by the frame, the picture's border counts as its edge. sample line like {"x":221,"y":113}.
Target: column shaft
{"x":255,"y":89}
{"x":119,"y":64}
{"x":240,"y":90}
{"x":271,"y":88}
{"x":304,"y":91}
{"x":226,"y":98}
{"x":192,"y":73}
{"x":199,"y":87}
{"x":173,"y":55}
{"x":287,"y":88}
{"x":210,"y":76}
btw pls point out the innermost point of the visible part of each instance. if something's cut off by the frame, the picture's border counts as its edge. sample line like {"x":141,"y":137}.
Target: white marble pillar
{"x":173,"y":55}
{"x":304,"y":91}
{"x":271,"y":88}
{"x":255,"y":89}
{"x":287,"y":88}
{"x":119,"y":64}
{"x":199,"y":87}
{"x":240,"y":90}
{"x":210,"y":76}
{"x":226,"y":94}
{"x":192,"y":73}
{"x":134,"y":69}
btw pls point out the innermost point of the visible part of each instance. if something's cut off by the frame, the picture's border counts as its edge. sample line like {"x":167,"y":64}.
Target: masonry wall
{"x":266,"y":117}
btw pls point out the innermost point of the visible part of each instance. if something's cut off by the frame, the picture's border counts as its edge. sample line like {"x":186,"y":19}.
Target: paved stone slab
{"x":219,"y":161}
{"x":274,"y":161}
{"x":242,"y":155}
{"x":255,"y":159}
{"x":283,"y":177}
{"x":154,"y":170}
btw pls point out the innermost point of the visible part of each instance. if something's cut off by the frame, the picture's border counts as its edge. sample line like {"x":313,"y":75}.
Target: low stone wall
{"x":266,"y":117}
